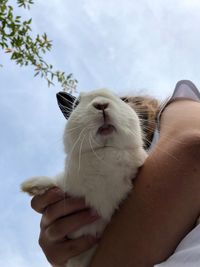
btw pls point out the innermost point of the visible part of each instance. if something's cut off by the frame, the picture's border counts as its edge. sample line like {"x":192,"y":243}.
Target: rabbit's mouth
{"x":106,"y":129}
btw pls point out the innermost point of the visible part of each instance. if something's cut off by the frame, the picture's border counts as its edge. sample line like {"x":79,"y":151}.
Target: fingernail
{"x":57,"y":190}
{"x":94,"y":214}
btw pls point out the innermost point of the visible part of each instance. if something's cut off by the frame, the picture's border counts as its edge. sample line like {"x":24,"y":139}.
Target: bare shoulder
{"x":181,"y":119}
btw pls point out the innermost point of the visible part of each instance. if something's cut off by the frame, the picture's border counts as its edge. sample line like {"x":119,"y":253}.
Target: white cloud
{"x":190,"y":3}
{"x":129,"y":44}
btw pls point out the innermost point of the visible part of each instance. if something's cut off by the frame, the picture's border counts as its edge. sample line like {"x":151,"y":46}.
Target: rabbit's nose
{"x":100,"y":106}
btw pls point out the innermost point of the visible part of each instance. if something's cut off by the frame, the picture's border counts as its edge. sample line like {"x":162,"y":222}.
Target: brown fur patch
{"x":147,"y":109}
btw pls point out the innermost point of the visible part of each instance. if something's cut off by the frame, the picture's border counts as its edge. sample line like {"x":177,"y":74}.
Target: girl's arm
{"x":165,"y":201}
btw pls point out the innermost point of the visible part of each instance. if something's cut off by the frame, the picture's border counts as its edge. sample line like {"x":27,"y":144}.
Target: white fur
{"x":99,"y":168}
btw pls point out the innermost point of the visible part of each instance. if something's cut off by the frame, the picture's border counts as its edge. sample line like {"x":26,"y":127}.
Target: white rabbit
{"x":103,"y":141}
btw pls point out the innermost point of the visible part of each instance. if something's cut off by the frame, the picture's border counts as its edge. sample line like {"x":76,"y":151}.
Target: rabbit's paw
{"x":37,"y":185}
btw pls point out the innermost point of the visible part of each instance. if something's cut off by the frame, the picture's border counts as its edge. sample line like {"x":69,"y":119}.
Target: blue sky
{"x":128,"y":46}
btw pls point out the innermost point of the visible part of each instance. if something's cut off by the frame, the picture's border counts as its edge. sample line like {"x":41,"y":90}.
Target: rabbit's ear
{"x":65,"y":103}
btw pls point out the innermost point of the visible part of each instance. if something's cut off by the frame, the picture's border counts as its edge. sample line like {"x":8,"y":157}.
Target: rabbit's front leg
{"x":37,"y":185}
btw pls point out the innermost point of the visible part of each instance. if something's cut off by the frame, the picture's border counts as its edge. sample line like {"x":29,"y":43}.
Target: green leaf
{"x":17,"y":39}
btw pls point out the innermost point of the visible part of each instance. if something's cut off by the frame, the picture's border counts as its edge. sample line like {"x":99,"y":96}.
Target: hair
{"x":147,"y":109}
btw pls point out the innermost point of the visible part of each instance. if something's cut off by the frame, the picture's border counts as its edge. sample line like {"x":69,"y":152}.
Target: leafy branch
{"x":16,"y":40}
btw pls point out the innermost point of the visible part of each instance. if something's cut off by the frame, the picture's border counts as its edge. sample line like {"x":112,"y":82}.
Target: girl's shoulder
{"x":184,"y":89}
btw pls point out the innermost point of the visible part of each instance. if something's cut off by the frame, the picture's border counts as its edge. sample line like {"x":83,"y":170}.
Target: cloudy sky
{"x":128,"y":46}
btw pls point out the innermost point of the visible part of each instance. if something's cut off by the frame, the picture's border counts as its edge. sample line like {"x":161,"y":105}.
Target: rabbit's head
{"x":100,"y":119}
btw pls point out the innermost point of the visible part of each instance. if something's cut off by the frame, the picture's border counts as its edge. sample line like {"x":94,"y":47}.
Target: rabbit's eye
{"x":125,"y":99}
{"x":75,"y":103}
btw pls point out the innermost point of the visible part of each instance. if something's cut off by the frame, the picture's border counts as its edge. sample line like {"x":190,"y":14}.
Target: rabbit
{"x":103,"y":141}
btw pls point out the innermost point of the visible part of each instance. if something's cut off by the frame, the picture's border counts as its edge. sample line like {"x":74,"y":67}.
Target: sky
{"x":131,"y":47}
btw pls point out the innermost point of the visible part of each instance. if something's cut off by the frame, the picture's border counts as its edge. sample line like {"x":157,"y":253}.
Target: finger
{"x":40,"y":202}
{"x":66,"y":225}
{"x":60,"y":253}
{"x":62,"y":208}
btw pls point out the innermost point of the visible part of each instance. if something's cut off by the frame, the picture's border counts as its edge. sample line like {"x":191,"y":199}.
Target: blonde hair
{"x":147,"y":109}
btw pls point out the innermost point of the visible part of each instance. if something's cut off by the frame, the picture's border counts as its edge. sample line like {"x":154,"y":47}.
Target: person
{"x":161,"y":210}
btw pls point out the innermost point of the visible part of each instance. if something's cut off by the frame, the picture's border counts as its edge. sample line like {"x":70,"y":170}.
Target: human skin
{"x":165,"y":202}
{"x":61,"y":216}
{"x":161,"y":209}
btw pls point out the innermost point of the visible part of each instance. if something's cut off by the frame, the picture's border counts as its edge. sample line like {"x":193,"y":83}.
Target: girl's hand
{"x":61,"y":216}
